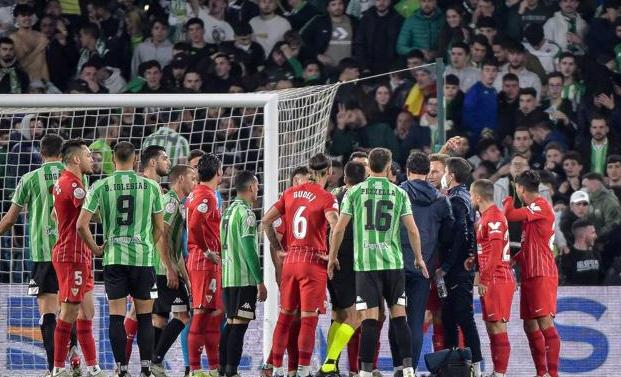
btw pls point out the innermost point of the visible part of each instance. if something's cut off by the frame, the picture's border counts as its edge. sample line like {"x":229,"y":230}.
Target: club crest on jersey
{"x":277,"y":222}
{"x":74,"y":291}
{"x":79,"y":192}
{"x":251,"y":220}
{"x":494,"y":227}
{"x":208,"y":298}
{"x":202,"y":208}
{"x":171,"y":207}
{"x":378,"y":185}
{"x":533,"y":207}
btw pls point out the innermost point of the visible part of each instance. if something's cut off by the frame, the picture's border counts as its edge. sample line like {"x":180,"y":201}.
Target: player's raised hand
{"x":332,"y":264}
{"x":261,"y":292}
{"x":420,"y":265}
{"x":172,"y":280}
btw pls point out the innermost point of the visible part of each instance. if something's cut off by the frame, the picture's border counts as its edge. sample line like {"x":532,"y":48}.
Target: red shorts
{"x":303,"y":286}
{"x":74,"y":280}
{"x":434,"y":304}
{"x":496,"y":304}
{"x":206,"y":289}
{"x":538,"y":297}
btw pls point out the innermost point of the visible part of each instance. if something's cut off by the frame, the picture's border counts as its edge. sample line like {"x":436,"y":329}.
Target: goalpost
{"x":270,"y":133}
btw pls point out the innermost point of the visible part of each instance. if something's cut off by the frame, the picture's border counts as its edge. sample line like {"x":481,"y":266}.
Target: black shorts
{"x":373,"y":287}
{"x":342,"y":288}
{"x":42,"y":279}
{"x":121,"y":281}
{"x":240,"y":302}
{"x":170,"y":300}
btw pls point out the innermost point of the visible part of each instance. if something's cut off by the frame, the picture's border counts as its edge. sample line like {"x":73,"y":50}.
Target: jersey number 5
{"x":379,"y":216}
{"x":125,"y":206}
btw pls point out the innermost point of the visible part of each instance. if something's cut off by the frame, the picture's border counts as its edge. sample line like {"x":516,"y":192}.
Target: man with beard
{"x":516,"y":65}
{"x":13,"y":80}
{"x":599,"y":146}
{"x":176,"y":145}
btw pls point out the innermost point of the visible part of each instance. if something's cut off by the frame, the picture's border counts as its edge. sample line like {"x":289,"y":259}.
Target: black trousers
{"x":458,"y":310}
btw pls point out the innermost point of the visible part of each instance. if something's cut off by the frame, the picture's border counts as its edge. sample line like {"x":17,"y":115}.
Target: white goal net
{"x":270,"y":134}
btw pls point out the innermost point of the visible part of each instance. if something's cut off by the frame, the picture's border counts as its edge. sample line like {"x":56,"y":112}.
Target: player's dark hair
{"x":208,"y":167}
{"x":358,"y":154}
{"x":528,"y":92}
{"x":243,"y":180}
{"x":593,"y":176}
{"x":580,"y":224}
{"x":418,"y":163}
{"x":459,"y":167}
{"x":149,"y":153}
{"x":196,"y":153}
{"x":143,"y":67}
{"x":555,"y":74}
{"x":573,"y":155}
{"x":530,"y":180}
{"x":300,"y":170}
{"x":598,"y":116}
{"x":510,"y":77}
{"x":613,"y":158}
{"x":51,"y":145}
{"x":484,"y":188}
{"x":379,"y":159}
{"x":194,"y":21}
{"x":70,"y":147}
{"x":461,"y":45}
{"x":319,"y":164}
{"x":355,"y":173}
{"x":124,"y":151}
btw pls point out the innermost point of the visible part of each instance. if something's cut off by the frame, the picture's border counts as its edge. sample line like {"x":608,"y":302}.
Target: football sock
{"x":280,"y":339}
{"x":196,"y":339}
{"x":537,"y":344}
{"x":353,"y":348}
{"x":184,"y":343}
{"x":368,"y":340}
{"x":212,"y":340}
{"x":306,"y":340}
{"x":270,"y":359}
{"x":73,"y":340}
{"x":157,"y":333}
{"x":292,"y":345}
{"x":340,"y":339}
{"x":377,"y":343}
{"x":553,"y":350}
{"x":118,"y":340}
{"x":61,"y":342}
{"x":438,"y":338}
{"x":87,"y":341}
{"x":167,"y":339}
{"x":403,"y":337}
{"x":131,"y":327}
{"x":501,"y":350}
{"x":47,"y":324}
{"x":334,"y":325}
{"x":234,"y":348}
{"x":145,"y":341}
{"x":224,"y":338}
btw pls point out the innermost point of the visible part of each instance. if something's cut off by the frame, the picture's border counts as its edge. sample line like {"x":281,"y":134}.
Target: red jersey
{"x":203,"y":223}
{"x":303,"y":208}
{"x":281,"y":228}
{"x":536,"y":257}
{"x":493,"y":253}
{"x":69,"y":194}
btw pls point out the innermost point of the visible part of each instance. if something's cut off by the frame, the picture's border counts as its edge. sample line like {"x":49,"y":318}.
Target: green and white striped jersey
{"x":177,"y":147}
{"x":126,"y":204}
{"x":173,"y":217}
{"x":34,"y":191}
{"x":376,"y":206}
{"x":240,"y":258}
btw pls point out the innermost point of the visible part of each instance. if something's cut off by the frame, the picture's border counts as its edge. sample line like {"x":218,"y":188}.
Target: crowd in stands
{"x":528,"y":84}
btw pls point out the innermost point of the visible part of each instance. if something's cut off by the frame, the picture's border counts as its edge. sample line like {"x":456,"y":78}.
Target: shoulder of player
{"x":98,"y":184}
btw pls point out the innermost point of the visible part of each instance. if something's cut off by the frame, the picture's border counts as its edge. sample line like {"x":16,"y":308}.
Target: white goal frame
{"x":269,"y":103}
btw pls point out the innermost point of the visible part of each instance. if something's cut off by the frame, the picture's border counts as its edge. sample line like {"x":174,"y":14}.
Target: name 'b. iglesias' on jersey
{"x":34,"y":191}
{"x":126,"y":203}
{"x":493,"y":252}
{"x":303,"y":208}
{"x":376,"y":206}
{"x":203,"y":222}
{"x":69,"y":193}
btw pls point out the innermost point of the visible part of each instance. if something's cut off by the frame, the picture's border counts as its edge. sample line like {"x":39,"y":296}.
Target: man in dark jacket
{"x":13,"y":80}
{"x":434,"y":219}
{"x":376,"y":37}
{"x":457,"y":307}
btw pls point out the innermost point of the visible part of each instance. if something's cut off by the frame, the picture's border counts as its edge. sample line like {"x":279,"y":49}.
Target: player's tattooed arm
{"x":267,"y":223}
{"x":158,"y":226}
{"x":336,"y":239}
